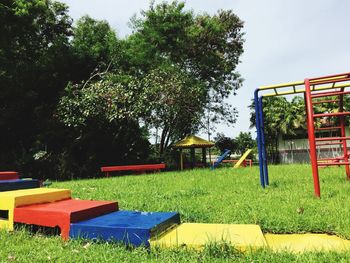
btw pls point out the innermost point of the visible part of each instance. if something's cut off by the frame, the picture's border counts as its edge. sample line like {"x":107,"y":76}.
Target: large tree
{"x":207,"y":47}
{"x":34,"y":68}
{"x":178,"y":66}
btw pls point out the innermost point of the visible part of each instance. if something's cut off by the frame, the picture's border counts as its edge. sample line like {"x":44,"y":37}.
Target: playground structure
{"x":321,"y":90}
{"x":192,"y":142}
{"x":242,"y":161}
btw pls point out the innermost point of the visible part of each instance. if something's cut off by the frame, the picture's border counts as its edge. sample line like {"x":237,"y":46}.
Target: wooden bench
{"x":135,"y":168}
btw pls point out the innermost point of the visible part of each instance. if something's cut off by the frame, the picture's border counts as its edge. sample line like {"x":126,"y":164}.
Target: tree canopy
{"x":74,"y":97}
{"x":177,"y":66}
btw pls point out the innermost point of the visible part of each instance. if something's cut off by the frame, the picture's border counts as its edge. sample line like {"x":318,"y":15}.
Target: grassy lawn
{"x":221,"y":196}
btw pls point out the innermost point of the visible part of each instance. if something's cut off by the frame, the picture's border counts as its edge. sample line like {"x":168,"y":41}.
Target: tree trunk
{"x":163,"y":140}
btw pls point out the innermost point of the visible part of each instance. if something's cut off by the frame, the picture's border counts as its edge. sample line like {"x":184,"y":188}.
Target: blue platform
{"x":128,"y":227}
{"x":18,"y":184}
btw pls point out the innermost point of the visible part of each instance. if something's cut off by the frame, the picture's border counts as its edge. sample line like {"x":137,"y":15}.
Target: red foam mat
{"x":62,"y":213}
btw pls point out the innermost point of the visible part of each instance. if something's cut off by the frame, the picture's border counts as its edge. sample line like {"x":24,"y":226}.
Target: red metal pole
{"x":311,"y":133}
{"x":342,"y":130}
{"x":328,"y":128}
{"x":325,"y":139}
{"x":324,"y":101}
{"x":329,"y":94}
{"x":333,"y":163}
{"x":343,"y":75}
{"x":331,"y":114}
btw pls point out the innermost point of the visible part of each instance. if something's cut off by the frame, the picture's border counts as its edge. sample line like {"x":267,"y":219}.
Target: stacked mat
{"x":23,"y":201}
{"x":11,"y":181}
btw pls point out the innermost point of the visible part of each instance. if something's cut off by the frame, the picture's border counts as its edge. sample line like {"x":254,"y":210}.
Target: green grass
{"x":225,"y":195}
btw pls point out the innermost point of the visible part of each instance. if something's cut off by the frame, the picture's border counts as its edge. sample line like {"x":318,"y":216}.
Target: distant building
{"x":295,"y":149}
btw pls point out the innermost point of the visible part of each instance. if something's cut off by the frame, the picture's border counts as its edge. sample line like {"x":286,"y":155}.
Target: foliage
{"x":281,"y":117}
{"x":95,"y":46}
{"x":222,"y":142}
{"x":205,"y":47}
{"x":244,"y":141}
{"x":172,"y":100}
{"x":237,"y":145}
{"x":73,"y":96}
{"x":171,"y":68}
{"x":34,"y":54}
{"x":100,"y":100}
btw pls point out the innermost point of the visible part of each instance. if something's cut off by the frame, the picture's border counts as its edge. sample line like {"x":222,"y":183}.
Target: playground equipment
{"x":221,"y":158}
{"x":103,"y":220}
{"x":192,"y":142}
{"x":321,"y":90}
{"x":237,"y":163}
{"x":243,"y":157}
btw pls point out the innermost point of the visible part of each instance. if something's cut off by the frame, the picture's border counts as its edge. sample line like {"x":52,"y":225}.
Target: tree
{"x":171,"y":69}
{"x":174,"y":102}
{"x":243,"y":142}
{"x":223,"y":142}
{"x":95,"y":47}
{"x":205,"y":47}
{"x":279,"y":119}
{"x":34,"y":54}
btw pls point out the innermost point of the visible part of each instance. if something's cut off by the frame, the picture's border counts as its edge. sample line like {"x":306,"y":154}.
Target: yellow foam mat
{"x":197,"y":235}
{"x":11,"y":199}
{"x":306,"y":242}
{"x":3,"y":223}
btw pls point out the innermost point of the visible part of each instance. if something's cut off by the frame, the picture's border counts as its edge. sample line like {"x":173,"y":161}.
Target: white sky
{"x":286,"y":40}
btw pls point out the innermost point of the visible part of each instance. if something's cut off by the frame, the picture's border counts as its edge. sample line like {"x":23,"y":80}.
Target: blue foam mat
{"x":18,"y":184}
{"x":129,"y":227}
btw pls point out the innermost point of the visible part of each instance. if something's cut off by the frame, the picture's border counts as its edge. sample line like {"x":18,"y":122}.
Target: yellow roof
{"x":193,"y":141}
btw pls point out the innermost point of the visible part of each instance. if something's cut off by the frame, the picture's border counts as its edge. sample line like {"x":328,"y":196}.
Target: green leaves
{"x":207,"y":47}
{"x":100,"y":100}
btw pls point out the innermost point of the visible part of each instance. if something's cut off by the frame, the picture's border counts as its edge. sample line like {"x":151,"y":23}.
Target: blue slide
{"x":221,"y":158}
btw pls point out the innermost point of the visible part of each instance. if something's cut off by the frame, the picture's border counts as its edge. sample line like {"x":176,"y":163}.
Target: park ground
{"x":225,"y":195}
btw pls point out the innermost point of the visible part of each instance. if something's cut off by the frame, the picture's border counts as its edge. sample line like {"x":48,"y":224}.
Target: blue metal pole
{"x":258,"y":132}
{"x":264,"y":153}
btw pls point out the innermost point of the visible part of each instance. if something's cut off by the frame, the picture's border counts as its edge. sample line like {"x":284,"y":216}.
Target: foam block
{"x":11,"y":199}
{"x":129,"y":227}
{"x":197,"y":235}
{"x":62,"y":213}
{"x":17,"y":184}
{"x":10,"y":175}
{"x":306,"y":242}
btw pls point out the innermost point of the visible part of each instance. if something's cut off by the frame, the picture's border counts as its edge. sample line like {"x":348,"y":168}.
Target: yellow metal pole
{"x":303,"y":90}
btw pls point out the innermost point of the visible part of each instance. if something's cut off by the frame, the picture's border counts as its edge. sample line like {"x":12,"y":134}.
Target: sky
{"x":285,"y":40}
